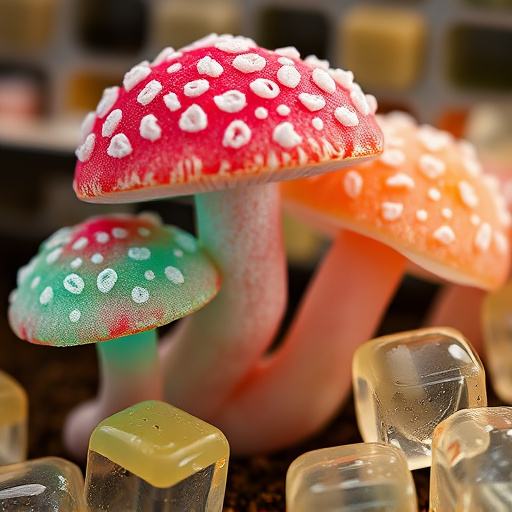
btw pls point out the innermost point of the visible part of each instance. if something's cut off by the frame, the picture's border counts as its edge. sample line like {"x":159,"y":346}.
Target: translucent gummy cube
{"x":153,"y":456}
{"x":472,"y":462}
{"x":359,"y":477}
{"x":13,"y":421}
{"x":497,"y":329}
{"x":405,"y":384}
{"x":49,"y":484}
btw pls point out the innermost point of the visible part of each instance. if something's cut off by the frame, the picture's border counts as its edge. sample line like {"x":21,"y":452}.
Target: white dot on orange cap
{"x":210,"y":67}
{"x":237,"y":134}
{"x":265,"y":88}
{"x":422,"y":215}
{"x":150,"y":91}
{"x":391,"y":211}
{"x":431,"y":167}
{"x":312,"y":102}
{"x":196,"y":88}
{"x":353,"y":184}
{"x":288,"y":76}
{"x":172,"y":102}
{"x":501,"y":242}
{"x":193,"y":119}
{"x":475,"y":219}
{"x":432,"y":139}
{"x":483,"y":237}
{"x":249,"y":63}
{"x":230,"y":101}
{"x":323,"y":80}
{"x":447,"y":213}
{"x":467,"y":194}
{"x":135,"y":76}
{"x":149,"y":128}
{"x":346,"y":117}
{"x":434,"y":194}
{"x":444,"y":234}
{"x":392,"y":157}
{"x":286,"y":136}
{"x":111,"y":122}
{"x":119,"y":146}
{"x":400,"y":180}
{"x":84,"y":152}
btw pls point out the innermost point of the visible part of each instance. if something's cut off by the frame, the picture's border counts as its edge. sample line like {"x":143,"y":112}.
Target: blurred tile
{"x":383,"y":46}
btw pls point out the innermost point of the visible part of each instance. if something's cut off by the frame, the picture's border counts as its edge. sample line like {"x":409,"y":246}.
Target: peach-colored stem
{"x":205,"y":360}
{"x":295,"y":391}
{"x":459,"y":307}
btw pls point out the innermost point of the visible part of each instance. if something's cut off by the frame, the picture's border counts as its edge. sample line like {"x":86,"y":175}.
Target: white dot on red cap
{"x":80,"y":243}
{"x":431,"y":166}
{"x":249,"y":63}
{"x":400,"y":180}
{"x":210,"y":67}
{"x":102,"y":237}
{"x":372,"y":103}
{"x":359,"y":100}
{"x":422,"y":215}
{"x":264,"y":88}
{"x":286,"y":136}
{"x":342,"y":77}
{"x":467,"y":194}
{"x":87,"y":125}
{"x":483,"y":237}
{"x":288,"y":51}
{"x":237,"y":134}
{"x":230,"y":101}
{"x":174,"y":275}
{"x":312,"y":102}
{"x":173,"y":68}
{"x":234,"y":45}
{"x":172,"y":102}
{"x":434,"y":194}
{"x":314,"y":62}
{"x":391,"y":211}
{"x":164,"y":55}
{"x":35,"y":282}
{"x":106,"y":280}
{"x":140,"y":295}
{"x":196,"y":88}
{"x":76,"y":263}
{"x":139,"y":253}
{"x":150,"y":92}
{"x":119,"y":146}
{"x":97,"y":258}
{"x":317,"y":123}
{"x":74,"y":316}
{"x":135,"y":76}
{"x":119,"y":233}
{"x":149,"y":275}
{"x":261,"y":113}
{"x":149,"y":128}
{"x":323,"y":80}
{"x":346,"y":117}
{"x":288,"y":76}
{"x":353,"y":184}
{"x":392,"y":157}
{"x":445,"y":235}
{"x":193,"y":119}
{"x":84,"y":152}
{"x":46,"y":295}
{"x":111,"y":122}
{"x":74,"y":284}
{"x":283,"y":110}
{"x":285,"y":61}
{"x":107,"y":101}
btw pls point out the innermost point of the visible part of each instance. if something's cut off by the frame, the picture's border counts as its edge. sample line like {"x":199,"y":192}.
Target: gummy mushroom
{"x":111,"y":279}
{"x":424,"y":199}
{"x":213,"y":117}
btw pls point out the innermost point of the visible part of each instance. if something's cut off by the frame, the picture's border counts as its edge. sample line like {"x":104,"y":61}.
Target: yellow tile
{"x":85,"y":90}
{"x":13,"y":401}
{"x":27,"y":24}
{"x":384,"y":47}
{"x":181,"y":22}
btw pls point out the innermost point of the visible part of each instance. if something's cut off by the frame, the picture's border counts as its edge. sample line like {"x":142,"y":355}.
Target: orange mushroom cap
{"x":426,"y":196}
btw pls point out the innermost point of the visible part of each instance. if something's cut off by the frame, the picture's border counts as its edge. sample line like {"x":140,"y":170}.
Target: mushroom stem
{"x":204,"y":361}
{"x":129,"y":374}
{"x":302,"y":385}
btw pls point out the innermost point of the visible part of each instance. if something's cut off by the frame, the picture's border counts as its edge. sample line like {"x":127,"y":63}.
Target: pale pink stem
{"x":241,"y":230}
{"x":295,"y":391}
{"x":459,"y":307}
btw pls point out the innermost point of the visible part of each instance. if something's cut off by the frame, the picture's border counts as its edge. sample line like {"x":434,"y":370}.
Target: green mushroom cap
{"x":108,"y":277}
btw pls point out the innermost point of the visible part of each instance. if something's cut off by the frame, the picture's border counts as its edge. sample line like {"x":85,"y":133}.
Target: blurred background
{"x":447,"y":62}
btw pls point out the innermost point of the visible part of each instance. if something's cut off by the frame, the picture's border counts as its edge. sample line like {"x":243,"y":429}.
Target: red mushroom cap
{"x":220,"y":109}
